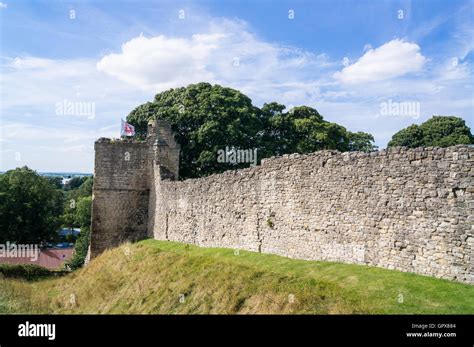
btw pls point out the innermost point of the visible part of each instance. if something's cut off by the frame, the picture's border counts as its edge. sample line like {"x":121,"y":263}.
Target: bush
{"x":80,"y":250}
{"x":24,"y":271}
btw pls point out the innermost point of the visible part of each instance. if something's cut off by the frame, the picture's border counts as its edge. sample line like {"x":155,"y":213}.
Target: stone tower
{"x":124,"y":173}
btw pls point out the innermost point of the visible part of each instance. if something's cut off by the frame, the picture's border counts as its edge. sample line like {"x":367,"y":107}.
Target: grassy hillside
{"x":167,"y":277}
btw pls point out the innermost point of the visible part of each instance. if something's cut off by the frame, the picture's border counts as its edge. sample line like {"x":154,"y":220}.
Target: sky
{"x":69,"y":71}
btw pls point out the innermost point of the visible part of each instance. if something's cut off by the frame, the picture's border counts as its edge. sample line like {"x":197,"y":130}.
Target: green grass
{"x":169,"y":277}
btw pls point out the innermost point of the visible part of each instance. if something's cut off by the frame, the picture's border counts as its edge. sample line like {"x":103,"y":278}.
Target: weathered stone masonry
{"x":404,"y":209}
{"x":123,"y":175}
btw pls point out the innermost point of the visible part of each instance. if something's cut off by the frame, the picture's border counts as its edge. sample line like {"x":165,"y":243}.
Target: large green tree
{"x":361,"y":141}
{"x":30,"y":207}
{"x":300,"y":130}
{"x":83,"y":211}
{"x":73,"y":216}
{"x":207,"y":118}
{"x":82,"y":217}
{"x":438,"y":131}
{"x":77,"y":213}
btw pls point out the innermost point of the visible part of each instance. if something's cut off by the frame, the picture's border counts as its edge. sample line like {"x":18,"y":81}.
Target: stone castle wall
{"x":405,"y":209}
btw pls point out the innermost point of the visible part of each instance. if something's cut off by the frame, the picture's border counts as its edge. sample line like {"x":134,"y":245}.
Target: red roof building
{"x":50,"y":258}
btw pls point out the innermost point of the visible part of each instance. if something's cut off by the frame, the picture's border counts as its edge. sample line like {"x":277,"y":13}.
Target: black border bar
{"x":302,"y":330}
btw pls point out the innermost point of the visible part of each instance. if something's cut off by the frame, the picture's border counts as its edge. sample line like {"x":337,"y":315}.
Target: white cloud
{"x":453,"y":69}
{"x":24,"y":63}
{"x":3,"y":5}
{"x":393,"y":59}
{"x":160,"y":61}
{"x":34,"y":82}
{"x":48,"y":148}
{"x":367,"y":47}
{"x":226,"y":52}
{"x":31,"y":87}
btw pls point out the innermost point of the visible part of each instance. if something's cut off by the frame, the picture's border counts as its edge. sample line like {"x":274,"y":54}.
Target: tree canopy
{"x":207,"y":118}
{"x":30,"y":207}
{"x":438,"y":131}
{"x":77,"y":199}
{"x":77,"y":213}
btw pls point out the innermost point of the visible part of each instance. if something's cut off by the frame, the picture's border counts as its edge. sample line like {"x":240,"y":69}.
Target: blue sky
{"x":344,"y":58}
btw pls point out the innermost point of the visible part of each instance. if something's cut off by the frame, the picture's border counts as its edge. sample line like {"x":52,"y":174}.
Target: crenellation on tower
{"x":163,"y":147}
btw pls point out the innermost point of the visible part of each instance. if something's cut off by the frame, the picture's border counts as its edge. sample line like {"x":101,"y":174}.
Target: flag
{"x":127,"y":129}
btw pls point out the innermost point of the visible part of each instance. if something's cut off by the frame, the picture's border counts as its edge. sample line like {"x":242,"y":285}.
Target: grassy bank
{"x":167,"y":277}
